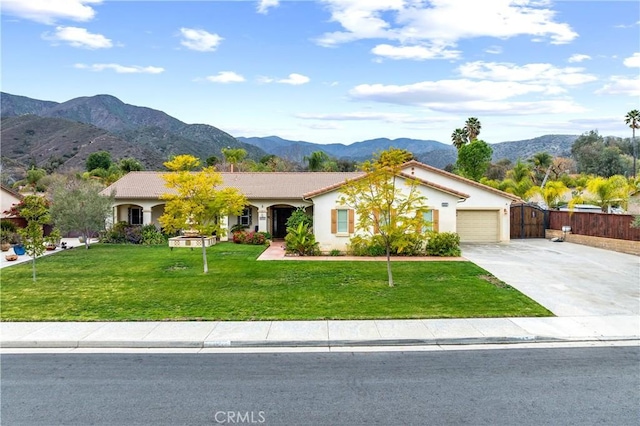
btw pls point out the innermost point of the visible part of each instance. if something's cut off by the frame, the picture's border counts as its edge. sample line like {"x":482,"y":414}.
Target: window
{"x":135,"y":216}
{"x":343,"y":221}
{"x":431,"y":219}
{"x":245,"y":218}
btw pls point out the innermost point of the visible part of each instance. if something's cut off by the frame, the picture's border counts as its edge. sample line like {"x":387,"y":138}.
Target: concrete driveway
{"x":568,"y":279}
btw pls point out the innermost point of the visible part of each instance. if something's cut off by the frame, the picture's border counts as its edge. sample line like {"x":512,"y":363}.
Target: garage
{"x":478,"y":226}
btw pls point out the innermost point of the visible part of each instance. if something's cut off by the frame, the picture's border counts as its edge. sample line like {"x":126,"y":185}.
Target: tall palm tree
{"x":632,"y":119}
{"x":459,"y":137}
{"x":473,"y":126}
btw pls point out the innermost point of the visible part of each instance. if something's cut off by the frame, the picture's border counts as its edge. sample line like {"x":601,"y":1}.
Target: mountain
{"x":125,"y":130}
{"x":556,"y":145}
{"x":50,"y":133}
{"x":12,"y":105}
{"x":54,"y":142}
{"x":297,"y":150}
{"x":430,"y":152}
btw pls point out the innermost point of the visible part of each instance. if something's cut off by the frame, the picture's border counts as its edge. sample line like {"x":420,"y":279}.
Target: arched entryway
{"x":279,"y":216}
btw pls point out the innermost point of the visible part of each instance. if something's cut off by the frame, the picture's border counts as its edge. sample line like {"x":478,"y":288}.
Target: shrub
{"x":443,"y":244}
{"x":152,"y":236}
{"x":301,"y":241}
{"x":123,"y":233}
{"x":335,"y":252}
{"x":299,"y":216}
{"x":239,"y":227}
{"x":255,"y":238}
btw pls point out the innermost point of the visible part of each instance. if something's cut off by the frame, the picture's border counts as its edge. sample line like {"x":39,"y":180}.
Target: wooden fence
{"x":604,"y":225}
{"x":528,"y":221}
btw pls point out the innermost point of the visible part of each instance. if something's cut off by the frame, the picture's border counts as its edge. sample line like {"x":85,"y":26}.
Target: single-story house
{"x":8,"y":199}
{"x":478,"y":213}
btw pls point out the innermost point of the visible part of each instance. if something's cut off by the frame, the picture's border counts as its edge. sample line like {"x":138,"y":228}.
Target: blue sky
{"x":338,"y":71}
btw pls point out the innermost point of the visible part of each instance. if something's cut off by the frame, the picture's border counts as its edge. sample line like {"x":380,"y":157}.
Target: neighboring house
{"x":478,"y":213}
{"x":9,"y":199}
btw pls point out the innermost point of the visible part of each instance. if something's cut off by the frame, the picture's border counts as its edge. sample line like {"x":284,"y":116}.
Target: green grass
{"x":134,"y":283}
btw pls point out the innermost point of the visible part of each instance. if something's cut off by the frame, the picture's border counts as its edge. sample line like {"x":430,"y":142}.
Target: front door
{"x":280,"y":217}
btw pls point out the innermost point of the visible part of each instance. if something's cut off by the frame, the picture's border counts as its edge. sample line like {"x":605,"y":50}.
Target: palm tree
{"x":459,"y":137}
{"x":605,"y":192}
{"x":233,"y":156}
{"x":541,"y":162}
{"x":632,"y":119}
{"x":316,"y":160}
{"x":473,"y":127}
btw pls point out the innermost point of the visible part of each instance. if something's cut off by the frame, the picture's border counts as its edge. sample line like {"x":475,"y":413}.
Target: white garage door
{"x":478,"y":226}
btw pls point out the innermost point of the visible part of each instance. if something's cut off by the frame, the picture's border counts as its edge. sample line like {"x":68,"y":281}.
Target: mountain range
{"x":51,"y":134}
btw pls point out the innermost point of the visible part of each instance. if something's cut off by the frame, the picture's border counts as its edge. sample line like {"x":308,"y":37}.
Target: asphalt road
{"x":578,"y":386}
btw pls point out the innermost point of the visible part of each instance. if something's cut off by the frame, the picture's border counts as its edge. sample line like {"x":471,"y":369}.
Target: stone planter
{"x":11,"y":257}
{"x":191,"y":242}
{"x":5,"y":246}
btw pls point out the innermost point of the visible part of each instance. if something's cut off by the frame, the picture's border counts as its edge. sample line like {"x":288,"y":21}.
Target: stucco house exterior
{"x":8,"y":199}
{"x":478,"y":213}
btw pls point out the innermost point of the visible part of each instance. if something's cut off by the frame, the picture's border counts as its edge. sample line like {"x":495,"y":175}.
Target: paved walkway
{"x":593,"y":292}
{"x":316,"y":333}
{"x":70,"y":242}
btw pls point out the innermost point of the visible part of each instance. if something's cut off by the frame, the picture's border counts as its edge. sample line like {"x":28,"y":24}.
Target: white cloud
{"x":199,"y":40}
{"x":621,"y":86}
{"x":121,"y":69}
{"x":509,"y":108}
{"x":50,"y":11}
{"x":494,"y":50}
{"x":265,"y":5}
{"x":79,"y":37}
{"x":633,"y":61}
{"x":578,"y":57}
{"x":324,"y":126}
{"x":414,"y":52}
{"x":295,"y":79}
{"x":226,"y":77}
{"x":372,"y":116}
{"x":442,"y":23}
{"x":539,"y":73}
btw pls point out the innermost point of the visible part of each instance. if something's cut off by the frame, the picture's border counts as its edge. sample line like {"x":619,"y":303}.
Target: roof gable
{"x":413,"y":163}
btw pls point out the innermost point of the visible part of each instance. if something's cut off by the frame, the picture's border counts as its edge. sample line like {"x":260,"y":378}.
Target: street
{"x":580,"y":386}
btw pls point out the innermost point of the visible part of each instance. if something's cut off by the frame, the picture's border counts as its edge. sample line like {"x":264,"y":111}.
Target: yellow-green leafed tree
{"x":552,"y":193}
{"x":605,"y":192}
{"x":386,"y":204}
{"x":197,"y":202}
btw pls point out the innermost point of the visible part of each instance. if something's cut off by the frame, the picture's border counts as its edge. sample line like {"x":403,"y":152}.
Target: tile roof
{"x":405,"y":175}
{"x":414,"y":163}
{"x":12,"y":191}
{"x":258,"y":185}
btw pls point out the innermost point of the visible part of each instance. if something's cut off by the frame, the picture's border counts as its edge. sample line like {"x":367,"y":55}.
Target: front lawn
{"x":136,"y":283}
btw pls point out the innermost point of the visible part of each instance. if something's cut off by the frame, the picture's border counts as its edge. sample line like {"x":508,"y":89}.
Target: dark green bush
{"x":123,"y":233}
{"x":299,"y":215}
{"x":444,"y":244}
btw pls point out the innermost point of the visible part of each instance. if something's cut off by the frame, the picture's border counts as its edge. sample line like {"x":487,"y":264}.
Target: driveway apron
{"x":568,"y":279}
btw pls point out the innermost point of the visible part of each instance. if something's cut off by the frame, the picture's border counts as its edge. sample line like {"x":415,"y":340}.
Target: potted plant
{"x":18,"y":248}
{"x":52,"y":240}
{"x":5,"y":243}
{"x":7,"y":232}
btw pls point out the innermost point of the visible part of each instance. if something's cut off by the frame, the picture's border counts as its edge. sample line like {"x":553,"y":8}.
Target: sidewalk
{"x":232,"y":334}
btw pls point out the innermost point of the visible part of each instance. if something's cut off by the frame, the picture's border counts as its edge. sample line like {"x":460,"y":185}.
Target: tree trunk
{"x":389,"y":266}
{"x":33,"y":267}
{"x":204,"y":256}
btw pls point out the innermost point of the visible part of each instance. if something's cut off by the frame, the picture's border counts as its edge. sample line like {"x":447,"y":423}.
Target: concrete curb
{"x":138,"y":344}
